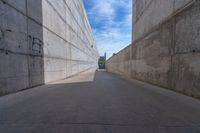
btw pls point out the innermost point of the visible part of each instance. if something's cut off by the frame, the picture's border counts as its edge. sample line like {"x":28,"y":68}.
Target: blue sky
{"x":111,"y":21}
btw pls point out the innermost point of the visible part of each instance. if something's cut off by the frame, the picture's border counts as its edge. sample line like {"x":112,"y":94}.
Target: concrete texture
{"x":165,"y":47}
{"x":43,"y":41}
{"x":86,"y":76}
{"x":108,"y":104}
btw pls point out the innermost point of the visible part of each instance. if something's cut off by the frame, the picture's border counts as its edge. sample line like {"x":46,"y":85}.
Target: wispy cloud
{"x":111,"y":21}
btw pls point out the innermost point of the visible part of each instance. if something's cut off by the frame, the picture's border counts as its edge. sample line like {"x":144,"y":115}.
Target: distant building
{"x":102,"y":62}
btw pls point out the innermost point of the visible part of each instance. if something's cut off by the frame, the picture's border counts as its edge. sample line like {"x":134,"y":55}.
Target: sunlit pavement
{"x":98,"y":103}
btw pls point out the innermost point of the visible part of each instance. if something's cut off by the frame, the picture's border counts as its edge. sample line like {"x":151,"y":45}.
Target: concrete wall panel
{"x":159,"y":10}
{"x":34,"y":10}
{"x":188,"y":31}
{"x":18,"y":4}
{"x":36,"y":71}
{"x":186,"y":74}
{"x":14,"y":34}
{"x":13,"y":72}
{"x":153,"y":58}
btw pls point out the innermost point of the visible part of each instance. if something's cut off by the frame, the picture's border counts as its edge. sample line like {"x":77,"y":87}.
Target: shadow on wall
{"x":21,"y":45}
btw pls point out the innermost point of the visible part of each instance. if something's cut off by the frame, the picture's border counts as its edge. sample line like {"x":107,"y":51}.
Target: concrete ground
{"x":101,"y":104}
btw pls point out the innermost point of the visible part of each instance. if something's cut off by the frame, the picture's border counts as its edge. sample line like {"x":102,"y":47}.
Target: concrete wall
{"x":42,"y":41}
{"x":166,"y":45}
{"x":69,"y":46}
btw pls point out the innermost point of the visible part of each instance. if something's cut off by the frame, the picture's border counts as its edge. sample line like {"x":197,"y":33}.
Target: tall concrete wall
{"x":166,"y":45}
{"x":43,"y":41}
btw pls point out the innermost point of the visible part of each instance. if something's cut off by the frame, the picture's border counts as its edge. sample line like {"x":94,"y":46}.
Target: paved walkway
{"x":101,"y":104}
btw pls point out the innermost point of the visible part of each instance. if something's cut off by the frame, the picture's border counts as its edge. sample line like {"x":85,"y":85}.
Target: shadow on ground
{"x":103,"y":103}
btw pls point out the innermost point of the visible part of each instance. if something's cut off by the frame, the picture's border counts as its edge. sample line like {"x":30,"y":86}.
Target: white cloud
{"x":102,"y":10}
{"x":112,"y":40}
{"x":114,"y":34}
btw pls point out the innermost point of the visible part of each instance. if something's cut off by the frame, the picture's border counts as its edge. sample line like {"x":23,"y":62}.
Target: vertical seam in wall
{"x":28,"y":50}
{"x":135,"y":60}
{"x":133,"y":15}
{"x":66,"y":61}
{"x":172,"y":50}
{"x":2,"y":15}
{"x":130,"y":62}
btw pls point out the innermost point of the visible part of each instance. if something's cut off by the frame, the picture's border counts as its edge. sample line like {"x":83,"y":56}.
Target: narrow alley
{"x":98,"y":102}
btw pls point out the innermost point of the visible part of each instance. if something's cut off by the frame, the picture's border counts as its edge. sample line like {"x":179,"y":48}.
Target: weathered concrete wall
{"x":166,"y":45}
{"x":43,"y":41}
{"x":69,"y":46}
{"x":121,"y":63}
